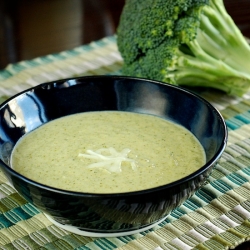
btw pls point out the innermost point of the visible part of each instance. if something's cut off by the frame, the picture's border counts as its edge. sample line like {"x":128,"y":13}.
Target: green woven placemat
{"x":215,"y":217}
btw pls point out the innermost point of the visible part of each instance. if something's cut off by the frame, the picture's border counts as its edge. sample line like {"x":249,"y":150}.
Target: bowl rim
{"x":176,"y":183}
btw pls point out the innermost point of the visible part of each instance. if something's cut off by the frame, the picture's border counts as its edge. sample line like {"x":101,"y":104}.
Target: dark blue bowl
{"x":119,"y":213}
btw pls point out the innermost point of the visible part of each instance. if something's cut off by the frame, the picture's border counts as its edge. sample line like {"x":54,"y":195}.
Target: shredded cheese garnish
{"x":109,"y":159}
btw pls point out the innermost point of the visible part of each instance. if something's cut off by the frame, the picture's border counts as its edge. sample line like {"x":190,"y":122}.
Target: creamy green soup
{"x":108,"y":152}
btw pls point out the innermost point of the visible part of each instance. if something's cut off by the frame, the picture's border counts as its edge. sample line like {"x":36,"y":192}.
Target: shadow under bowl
{"x":119,"y":213}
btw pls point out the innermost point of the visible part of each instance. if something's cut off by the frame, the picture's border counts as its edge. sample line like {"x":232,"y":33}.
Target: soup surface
{"x":108,"y":152}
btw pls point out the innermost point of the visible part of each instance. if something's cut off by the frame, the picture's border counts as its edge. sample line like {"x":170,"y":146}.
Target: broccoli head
{"x":184,"y":42}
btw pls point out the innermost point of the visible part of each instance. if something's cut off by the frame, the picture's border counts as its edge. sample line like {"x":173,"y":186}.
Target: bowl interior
{"x":34,"y":107}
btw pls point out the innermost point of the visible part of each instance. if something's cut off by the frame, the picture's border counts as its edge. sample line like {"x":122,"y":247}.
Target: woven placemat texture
{"x":217,"y":216}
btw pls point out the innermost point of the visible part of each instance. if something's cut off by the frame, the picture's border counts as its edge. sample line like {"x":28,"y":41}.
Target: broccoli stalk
{"x":193,"y":43}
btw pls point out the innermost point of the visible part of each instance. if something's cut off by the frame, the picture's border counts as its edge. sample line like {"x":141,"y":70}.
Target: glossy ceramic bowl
{"x":119,"y":213}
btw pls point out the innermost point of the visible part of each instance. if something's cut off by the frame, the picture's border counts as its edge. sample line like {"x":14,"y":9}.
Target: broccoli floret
{"x":184,"y":42}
